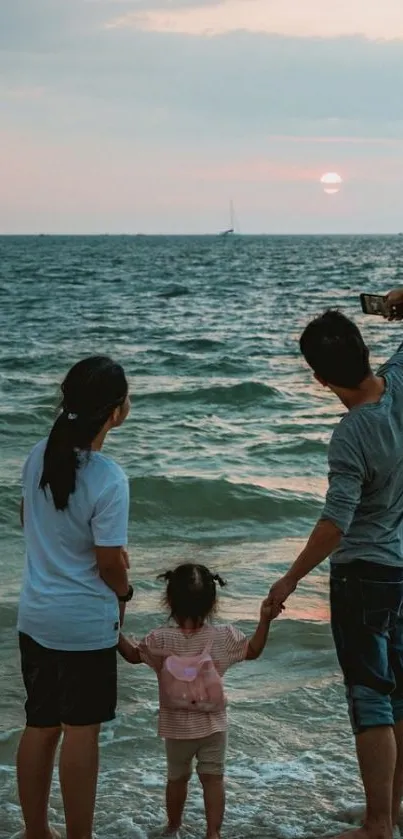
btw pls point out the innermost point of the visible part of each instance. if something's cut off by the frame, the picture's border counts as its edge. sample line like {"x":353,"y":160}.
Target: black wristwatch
{"x":125,"y":598}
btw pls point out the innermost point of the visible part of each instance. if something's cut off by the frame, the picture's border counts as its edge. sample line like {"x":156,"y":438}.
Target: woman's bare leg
{"x":35,"y":760}
{"x":78,"y":771}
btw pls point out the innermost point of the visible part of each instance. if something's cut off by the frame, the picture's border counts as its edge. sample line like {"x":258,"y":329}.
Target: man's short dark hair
{"x":334,"y":347}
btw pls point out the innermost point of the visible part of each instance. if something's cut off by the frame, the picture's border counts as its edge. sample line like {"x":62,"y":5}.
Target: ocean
{"x":226,"y":452}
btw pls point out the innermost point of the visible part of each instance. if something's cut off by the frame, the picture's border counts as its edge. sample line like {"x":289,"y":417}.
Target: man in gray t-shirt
{"x":361,"y":529}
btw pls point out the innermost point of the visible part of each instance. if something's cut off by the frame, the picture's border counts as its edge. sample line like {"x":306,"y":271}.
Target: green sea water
{"x":225,"y":448}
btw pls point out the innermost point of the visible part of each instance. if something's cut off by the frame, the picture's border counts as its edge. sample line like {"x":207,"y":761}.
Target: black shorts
{"x":74,"y":688}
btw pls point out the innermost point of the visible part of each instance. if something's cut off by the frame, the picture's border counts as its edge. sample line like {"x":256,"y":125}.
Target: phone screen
{"x":374,"y":304}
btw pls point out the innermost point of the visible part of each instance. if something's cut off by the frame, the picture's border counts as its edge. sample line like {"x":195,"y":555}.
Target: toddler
{"x":190,"y":659}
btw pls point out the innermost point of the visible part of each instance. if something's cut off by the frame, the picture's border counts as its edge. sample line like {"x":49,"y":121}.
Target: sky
{"x":150,"y":116}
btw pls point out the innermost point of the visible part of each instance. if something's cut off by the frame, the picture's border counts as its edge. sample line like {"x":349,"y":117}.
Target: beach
{"x":225,"y":449}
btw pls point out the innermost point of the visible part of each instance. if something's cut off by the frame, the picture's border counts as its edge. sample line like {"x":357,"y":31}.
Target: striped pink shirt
{"x":229,"y":647}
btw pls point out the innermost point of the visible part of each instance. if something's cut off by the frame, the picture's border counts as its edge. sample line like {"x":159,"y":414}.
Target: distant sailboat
{"x":231,"y":229}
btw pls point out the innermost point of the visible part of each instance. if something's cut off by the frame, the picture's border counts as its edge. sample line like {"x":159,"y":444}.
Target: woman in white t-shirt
{"x":75,"y":514}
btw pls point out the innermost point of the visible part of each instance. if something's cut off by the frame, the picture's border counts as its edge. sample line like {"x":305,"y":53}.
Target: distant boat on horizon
{"x":231,"y":229}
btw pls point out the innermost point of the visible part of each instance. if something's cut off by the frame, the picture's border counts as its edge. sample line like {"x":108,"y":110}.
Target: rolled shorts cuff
{"x":369,"y":709}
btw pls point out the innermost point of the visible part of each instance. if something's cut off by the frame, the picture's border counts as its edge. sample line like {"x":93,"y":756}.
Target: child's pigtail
{"x":219,"y":580}
{"x":166,"y":576}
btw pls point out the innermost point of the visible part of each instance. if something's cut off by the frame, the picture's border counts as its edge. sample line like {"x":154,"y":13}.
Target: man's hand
{"x":323,"y":540}
{"x":394,"y":302}
{"x":280,"y":591}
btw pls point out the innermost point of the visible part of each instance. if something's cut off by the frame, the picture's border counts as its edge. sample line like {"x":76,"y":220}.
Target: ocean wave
{"x":223,"y":365}
{"x":215,"y":500}
{"x":297,"y":447}
{"x":174,"y":290}
{"x":182,"y":508}
{"x":241,"y":393}
{"x":200,"y":344}
{"x":8,"y":611}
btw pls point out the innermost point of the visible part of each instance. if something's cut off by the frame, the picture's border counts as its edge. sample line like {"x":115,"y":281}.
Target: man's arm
{"x":346,"y":478}
{"x":323,"y":540}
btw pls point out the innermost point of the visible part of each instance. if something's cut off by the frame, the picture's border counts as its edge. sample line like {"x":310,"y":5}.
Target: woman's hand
{"x":128,"y":650}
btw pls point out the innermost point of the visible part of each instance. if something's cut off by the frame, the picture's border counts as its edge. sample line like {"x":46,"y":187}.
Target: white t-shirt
{"x":64,"y":604}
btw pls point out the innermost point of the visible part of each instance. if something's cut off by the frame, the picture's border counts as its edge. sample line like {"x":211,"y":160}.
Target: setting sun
{"x":331,"y":182}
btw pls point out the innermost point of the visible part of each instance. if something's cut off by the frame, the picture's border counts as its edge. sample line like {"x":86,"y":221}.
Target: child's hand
{"x":268,"y":612}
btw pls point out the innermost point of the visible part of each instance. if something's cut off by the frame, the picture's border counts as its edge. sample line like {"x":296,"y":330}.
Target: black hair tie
{"x":167,"y":575}
{"x":217,"y":579}
{"x":71,"y":415}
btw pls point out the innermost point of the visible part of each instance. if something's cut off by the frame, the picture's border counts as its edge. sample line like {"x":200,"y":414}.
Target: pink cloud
{"x":322,"y":18}
{"x":257,"y":170}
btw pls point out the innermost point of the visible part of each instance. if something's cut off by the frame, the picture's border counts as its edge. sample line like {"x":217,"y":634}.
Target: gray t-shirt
{"x":365,"y":495}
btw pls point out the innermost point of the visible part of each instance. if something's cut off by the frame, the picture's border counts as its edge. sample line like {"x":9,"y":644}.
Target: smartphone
{"x":374,"y":304}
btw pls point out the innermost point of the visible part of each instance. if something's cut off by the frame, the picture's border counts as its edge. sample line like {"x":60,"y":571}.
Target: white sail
{"x":231,"y":229}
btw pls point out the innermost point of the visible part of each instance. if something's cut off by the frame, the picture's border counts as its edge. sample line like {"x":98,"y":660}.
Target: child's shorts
{"x":209,"y":752}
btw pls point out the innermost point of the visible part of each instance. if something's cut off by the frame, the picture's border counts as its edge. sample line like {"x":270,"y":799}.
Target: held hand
{"x":128,"y":649}
{"x":124,"y":647}
{"x":268,"y":612}
{"x":281,"y":590}
{"x":394,"y":302}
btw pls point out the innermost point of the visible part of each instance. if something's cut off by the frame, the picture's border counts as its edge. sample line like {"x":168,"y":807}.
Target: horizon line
{"x":193,"y":235}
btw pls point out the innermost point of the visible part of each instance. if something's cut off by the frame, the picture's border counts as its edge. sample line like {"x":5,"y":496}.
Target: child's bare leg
{"x":214,"y":803}
{"x":176,"y":794}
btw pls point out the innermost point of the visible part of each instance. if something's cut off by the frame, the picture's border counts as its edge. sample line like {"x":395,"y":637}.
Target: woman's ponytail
{"x":91,"y":391}
{"x":60,"y":462}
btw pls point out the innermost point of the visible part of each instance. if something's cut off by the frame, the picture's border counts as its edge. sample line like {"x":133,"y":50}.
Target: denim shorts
{"x":366,"y":601}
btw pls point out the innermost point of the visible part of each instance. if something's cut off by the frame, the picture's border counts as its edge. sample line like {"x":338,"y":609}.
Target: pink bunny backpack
{"x":191,"y":683}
